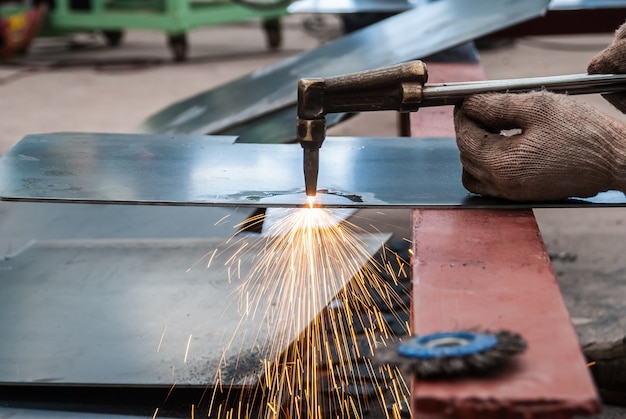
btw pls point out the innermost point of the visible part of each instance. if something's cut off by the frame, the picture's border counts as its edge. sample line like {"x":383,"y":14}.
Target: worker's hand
{"x":612,"y":60}
{"x":565,"y":149}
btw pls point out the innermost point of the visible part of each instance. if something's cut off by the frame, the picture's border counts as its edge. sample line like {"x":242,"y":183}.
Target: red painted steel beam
{"x":568,"y":22}
{"x":489,"y":269}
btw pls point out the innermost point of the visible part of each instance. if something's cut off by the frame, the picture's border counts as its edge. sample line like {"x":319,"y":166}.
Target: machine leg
{"x":178,"y":45}
{"x":113,"y":38}
{"x":273,"y":32}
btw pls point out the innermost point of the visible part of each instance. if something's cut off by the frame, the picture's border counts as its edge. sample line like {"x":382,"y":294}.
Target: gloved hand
{"x":612,"y":60}
{"x":565,"y":149}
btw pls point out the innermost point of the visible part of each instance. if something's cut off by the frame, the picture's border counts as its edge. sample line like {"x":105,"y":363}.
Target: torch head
{"x":311,"y":128}
{"x":397,"y":87}
{"x":311,"y":134}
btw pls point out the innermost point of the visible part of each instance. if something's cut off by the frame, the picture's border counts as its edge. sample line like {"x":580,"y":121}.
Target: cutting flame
{"x":304,"y":264}
{"x":310,"y":201}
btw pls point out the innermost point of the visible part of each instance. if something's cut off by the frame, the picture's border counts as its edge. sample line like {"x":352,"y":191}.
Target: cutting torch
{"x":403,"y":88}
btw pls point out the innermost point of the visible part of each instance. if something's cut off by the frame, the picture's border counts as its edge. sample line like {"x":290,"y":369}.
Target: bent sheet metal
{"x":260,"y":107}
{"x":217,"y":171}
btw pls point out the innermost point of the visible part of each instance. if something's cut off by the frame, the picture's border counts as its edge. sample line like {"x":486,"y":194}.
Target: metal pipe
{"x":437,"y":94}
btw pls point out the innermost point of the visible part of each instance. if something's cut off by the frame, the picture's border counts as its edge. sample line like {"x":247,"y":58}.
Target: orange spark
{"x":305,"y":263}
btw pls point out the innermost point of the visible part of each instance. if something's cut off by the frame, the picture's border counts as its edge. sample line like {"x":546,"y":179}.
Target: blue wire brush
{"x":454,"y":354}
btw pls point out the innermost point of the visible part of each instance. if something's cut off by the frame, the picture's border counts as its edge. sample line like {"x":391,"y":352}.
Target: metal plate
{"x":216,"y":171}
{"x":433,"y":27}
{"x":586,"y":4}
{"x":129,"y":312}
{"x":365,"y":6}
{"x":352,"y":6}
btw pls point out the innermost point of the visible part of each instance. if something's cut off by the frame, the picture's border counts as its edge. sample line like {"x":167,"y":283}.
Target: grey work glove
{"x":565,"y":149}
{"x":612,"y":60}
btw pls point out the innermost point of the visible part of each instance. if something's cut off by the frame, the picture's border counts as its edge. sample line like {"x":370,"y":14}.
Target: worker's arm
{"x":562,"y":147}
{"x":612,"y":60}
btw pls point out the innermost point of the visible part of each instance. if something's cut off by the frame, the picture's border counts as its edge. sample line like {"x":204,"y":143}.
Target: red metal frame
{"x":489,"y":269}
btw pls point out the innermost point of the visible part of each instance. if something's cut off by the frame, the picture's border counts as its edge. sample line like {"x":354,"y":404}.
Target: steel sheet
{"x":217,"y":171}
{"x":132,"y":312}
{"x":367,"y":6}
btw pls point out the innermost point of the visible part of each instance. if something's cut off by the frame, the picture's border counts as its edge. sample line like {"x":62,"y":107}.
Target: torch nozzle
{"x":311,"y":134}
{"x":311,"y":169}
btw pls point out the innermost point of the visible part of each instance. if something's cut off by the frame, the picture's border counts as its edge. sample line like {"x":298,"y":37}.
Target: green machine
{"x":174,"y":17}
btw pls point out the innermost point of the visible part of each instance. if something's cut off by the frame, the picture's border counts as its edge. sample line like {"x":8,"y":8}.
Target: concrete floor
{"x":90,"y":87}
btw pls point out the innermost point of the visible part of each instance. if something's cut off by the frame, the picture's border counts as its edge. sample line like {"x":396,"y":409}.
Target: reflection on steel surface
{"x":216,"y":171}
{"x":433,"y":27}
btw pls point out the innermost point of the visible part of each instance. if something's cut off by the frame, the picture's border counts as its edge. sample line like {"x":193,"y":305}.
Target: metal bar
{"x":489,"y":269}
{"x":573,"y":84}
